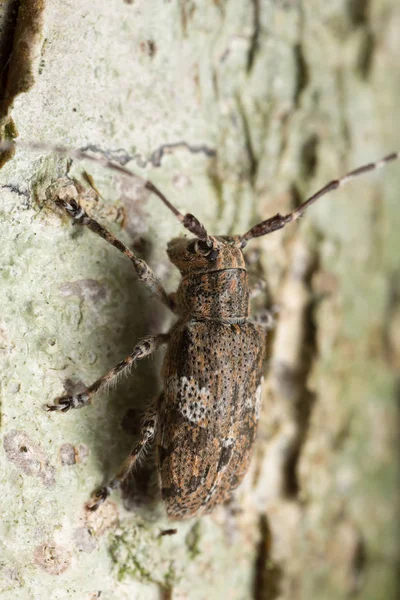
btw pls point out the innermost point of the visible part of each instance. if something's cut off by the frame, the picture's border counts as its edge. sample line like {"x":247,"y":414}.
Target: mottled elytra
{"x":204,"y":422}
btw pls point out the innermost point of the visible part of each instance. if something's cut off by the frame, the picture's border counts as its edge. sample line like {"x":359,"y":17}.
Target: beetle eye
{"x":203,"y":247}
{"x":192,"y":247}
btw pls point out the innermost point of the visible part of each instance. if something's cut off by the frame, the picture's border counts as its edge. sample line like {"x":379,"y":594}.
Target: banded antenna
{"x":188,"y":220}
{"x":278,"y":221}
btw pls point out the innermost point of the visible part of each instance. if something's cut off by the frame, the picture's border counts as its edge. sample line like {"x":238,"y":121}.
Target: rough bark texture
{"x":237,"y":110}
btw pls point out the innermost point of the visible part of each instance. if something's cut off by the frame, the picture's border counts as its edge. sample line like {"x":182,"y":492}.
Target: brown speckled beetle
{"x":204,"y":423}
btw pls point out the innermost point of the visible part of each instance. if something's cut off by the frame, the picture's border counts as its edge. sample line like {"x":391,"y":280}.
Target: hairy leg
{"x":147,"y":434}
{"x":143,"y":271}
{"x":141,"y":350}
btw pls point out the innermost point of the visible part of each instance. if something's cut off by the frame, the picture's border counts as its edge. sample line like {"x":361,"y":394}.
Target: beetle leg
{"x":144,"y":348}
{"x":266,"y":318}
{"x":143,"y":271}
{"x":147,"y":434}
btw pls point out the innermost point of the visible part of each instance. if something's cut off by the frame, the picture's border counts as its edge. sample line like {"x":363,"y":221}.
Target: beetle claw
{"x":98,"y":498}
{"x":61,"y":404}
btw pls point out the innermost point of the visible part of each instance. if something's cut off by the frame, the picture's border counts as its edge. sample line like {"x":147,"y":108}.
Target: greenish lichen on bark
{"x":237,"y":111}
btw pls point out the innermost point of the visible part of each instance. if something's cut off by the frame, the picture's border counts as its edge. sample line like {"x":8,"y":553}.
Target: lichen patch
{"x":52,"y":558}
{"x":28,"y":456}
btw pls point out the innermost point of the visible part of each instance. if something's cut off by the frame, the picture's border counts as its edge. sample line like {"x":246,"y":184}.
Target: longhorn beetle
{"x":204,"y":422}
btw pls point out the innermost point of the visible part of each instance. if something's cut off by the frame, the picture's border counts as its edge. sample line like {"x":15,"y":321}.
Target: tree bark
{"x":236,"y":110}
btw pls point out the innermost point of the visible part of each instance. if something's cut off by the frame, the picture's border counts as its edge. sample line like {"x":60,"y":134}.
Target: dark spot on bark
{"x":267,"y":575}
{"x":358,"y":12}
{"x":165,"y":532}
{"x":21,"y":36}
{"x":302,"y":76}
{"x":309,"y":156}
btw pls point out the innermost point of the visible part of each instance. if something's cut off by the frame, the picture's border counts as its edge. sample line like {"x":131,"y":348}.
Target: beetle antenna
{"x":278,"y":221}
{"x":188,"y":220}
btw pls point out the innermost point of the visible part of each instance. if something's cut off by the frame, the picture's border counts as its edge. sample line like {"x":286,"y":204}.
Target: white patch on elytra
{"x":228,"y":442}
{"x":249,"y":402}
{"x":192,"y":401}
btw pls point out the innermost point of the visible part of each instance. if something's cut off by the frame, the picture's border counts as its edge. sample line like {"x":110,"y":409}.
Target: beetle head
{"x":212,"y":254}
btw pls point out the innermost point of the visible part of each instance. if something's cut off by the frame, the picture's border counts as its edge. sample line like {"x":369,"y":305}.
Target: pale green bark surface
{"x":263,"y":103}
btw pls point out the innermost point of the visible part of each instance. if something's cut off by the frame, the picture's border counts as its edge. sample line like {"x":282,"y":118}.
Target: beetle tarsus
{"x":98,"y":498}
{"x":62,"y":404}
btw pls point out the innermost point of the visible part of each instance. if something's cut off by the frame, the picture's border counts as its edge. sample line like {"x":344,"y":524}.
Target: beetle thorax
{"x":218,"y":295}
